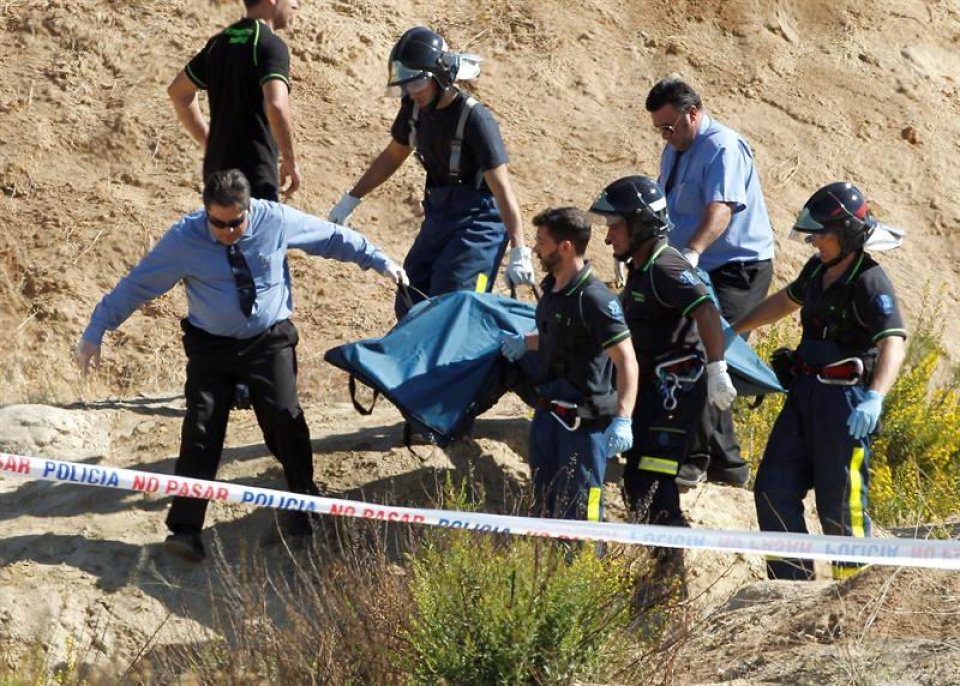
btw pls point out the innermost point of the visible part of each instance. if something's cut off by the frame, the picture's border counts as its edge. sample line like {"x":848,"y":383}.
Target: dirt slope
{"x":94,"y":167}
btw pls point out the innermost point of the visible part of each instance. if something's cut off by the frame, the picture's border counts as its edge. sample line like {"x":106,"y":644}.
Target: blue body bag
{"x":441,"y":364}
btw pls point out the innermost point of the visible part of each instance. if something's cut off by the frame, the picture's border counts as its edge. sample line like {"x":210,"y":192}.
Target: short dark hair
{"x":251,"y":3}
{"x":566,"y":224}
{"x":228,"y":188}
{"x":673,"y":92}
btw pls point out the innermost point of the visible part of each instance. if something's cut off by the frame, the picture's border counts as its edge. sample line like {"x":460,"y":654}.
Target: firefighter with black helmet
{"x":669,"y":312}
{"x":850,"y":352}
{"x":471,"y":213}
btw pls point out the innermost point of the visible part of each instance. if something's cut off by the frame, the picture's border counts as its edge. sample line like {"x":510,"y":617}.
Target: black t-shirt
{"x":482,"y":150}
{"x":856,"y":311}
{"x":657,"y":302}
{"x":576,"y":325}
{"x":232,"y":67}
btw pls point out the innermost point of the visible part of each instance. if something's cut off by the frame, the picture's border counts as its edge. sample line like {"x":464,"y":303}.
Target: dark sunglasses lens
{"x":220,"y":224}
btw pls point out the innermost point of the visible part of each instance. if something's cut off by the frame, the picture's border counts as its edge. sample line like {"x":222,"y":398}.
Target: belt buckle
{"x":660,"y":372}
{"x":852,"y":381}
{"x":566,"y":406}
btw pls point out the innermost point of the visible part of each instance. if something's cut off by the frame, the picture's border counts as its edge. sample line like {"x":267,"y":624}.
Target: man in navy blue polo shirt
{"x":232,"y":259}
{"x":678,"y":339}
{"x":588,"y":383}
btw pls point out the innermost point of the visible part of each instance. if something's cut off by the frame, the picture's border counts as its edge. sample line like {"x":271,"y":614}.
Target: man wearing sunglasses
{"x":721,"y":225}
{"x":470,"y":209}
{"x":232,"y":259}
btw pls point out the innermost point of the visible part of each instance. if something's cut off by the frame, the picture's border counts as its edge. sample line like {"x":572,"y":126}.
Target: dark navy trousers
{"x":810,"y":447}
{"x":460,"y":245}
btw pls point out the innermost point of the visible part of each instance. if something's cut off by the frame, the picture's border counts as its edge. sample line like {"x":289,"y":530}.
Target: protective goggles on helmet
{"x":625,"y":200}
{"x":404,"y":80}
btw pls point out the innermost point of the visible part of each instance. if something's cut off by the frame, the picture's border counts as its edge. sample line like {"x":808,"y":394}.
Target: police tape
{"x":899,"y":552}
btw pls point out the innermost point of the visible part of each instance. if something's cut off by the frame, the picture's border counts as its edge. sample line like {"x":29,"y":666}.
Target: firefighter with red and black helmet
{"x":851,"y":349}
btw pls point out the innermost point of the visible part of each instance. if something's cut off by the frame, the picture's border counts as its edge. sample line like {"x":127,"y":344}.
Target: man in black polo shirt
{"x":470,"y":211}
{"x":246,"y":71}
{"x":582,"y":420}
{"x":850,"y":353}
{"x":669,"y":312}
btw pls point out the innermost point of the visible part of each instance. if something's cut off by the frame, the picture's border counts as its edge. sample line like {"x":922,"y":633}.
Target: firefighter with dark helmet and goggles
{"x":404,"y":81}
{"x":840,"y":209}
{"x":640,"y":202}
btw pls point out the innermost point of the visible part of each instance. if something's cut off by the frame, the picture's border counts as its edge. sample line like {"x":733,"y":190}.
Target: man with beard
{"x":582,"y":418}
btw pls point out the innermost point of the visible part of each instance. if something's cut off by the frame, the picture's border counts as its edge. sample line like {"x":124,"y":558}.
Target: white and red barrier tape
{"x":899,"y":552}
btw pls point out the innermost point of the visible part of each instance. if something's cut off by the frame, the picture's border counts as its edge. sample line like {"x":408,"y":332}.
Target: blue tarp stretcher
{"x":441,"y":365}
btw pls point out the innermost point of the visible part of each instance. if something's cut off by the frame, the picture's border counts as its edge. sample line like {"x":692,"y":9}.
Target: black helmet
{"x":841,"y":208}
{"x":420,"y":53}
{"x":639,"y":200}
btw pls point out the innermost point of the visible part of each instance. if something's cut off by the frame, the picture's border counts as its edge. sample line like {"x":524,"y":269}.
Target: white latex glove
{"x":693,"y":257}
{"x":520,"y":267}
{"x":86,"y":354}
{"x":340,"y":214}
{"x":720,"y":390}
{"x":397,"y":274}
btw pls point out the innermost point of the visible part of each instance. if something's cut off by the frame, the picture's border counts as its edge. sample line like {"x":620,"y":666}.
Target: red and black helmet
{"x":840,"y":208}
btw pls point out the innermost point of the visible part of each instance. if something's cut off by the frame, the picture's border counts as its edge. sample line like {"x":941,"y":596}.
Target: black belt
{"x":570,"y":415}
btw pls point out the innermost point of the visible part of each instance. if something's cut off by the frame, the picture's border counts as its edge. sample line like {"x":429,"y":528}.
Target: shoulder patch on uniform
{"x":885,"y":303}
{"x":688,"y":278}
{"x":613,"y":307}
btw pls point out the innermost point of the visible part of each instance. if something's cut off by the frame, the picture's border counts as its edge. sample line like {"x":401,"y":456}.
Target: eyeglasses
{"x":669,"y":129}
{"x":232,"y":224}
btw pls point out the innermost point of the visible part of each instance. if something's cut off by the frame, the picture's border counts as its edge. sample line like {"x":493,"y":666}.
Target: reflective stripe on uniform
{"x":482,"y":282}
{"x":659,"y":465}
{"x":593,"y":504}
{"x":856,"y":493}
{"x":842,"y":573}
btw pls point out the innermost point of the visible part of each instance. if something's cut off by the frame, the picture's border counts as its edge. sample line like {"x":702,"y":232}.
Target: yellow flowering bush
{"x":915,"y":460}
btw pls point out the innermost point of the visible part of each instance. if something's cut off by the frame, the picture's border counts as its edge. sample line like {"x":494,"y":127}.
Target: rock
{"x":911,"y":135}
{"x":57,"y":433}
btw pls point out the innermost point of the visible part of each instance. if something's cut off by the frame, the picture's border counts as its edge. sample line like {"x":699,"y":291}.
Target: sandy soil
{"x":94,"y":167}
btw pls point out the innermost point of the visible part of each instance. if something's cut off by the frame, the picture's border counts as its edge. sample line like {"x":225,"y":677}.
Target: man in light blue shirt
{"x":232,"y":259}
{"x":720,"y":225}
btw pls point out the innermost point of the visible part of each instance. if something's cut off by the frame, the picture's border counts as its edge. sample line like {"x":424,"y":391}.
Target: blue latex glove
{"x":863,"y":420}
{"x":619,"y":436}
{"x":513,"y":346}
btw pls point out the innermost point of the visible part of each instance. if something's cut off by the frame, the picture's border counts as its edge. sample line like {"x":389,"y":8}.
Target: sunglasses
{"x":232,"y":224}
{"x":669,"y":129}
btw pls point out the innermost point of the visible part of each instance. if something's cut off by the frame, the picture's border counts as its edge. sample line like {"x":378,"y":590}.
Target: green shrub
{"x":916,"y":457}
{"x":514,"y":612}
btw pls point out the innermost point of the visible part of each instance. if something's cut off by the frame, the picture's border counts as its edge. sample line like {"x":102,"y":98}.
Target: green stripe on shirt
{"x":890,"y":332}
{"x":616,"y":339}
{"x":695,"y":303}
{"x":193,"y":77}
{"x":275,"y":77}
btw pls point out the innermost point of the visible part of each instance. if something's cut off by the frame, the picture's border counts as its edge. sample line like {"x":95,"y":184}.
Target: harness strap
{"x":456,"y":145}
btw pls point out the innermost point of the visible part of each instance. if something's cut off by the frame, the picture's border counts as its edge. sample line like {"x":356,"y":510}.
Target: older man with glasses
{"x":721,"y":225}
{"x":232,"y":259}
